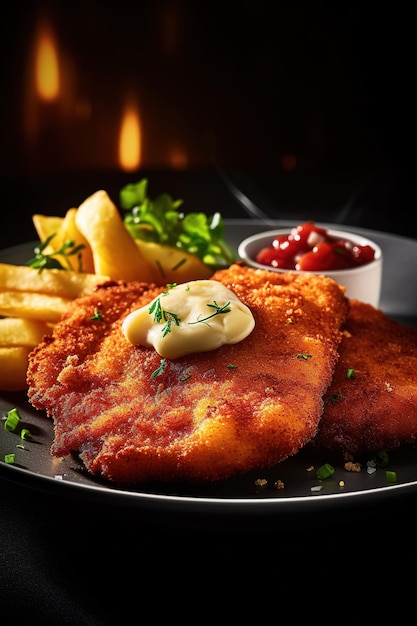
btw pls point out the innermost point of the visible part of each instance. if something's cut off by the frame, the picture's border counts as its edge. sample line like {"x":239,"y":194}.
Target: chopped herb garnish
{"x":97,"y":316}
{"x":219,"y":310}
{"x":160,"y":268}
{"x":391,"y":476}
{"x":337,"y":396}
{"x":46,"y":260}
{"x":25,"y":434}
{"x":184,"y":378}
{"x":302,"y":355}
{"x":350,"y":373}
{"x":161,"y":315}
{"x":178,"y":265}
{"x":12,"y":420}
{"x":325,"y":471}
{"x":157,"y":309}
{"x":159,"y":370}
{"x":9,"y":458}
{"x":230,"y":366}
{"x":19,"y":445}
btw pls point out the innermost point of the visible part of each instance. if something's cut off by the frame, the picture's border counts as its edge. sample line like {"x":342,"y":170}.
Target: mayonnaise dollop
{"x":197,"y":316}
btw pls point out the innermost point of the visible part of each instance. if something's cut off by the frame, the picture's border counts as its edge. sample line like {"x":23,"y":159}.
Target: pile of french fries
{"x":33,"y":300}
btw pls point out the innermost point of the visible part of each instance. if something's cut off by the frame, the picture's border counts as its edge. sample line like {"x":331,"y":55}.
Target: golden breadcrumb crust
{"x":206,"y":416}
{"x":371,"y":403}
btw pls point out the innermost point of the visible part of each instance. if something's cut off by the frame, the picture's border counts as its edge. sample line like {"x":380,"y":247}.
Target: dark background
{"x":241,"y":85}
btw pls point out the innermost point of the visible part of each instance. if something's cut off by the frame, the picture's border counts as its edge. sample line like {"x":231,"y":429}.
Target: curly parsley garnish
{"x":46,"y":260}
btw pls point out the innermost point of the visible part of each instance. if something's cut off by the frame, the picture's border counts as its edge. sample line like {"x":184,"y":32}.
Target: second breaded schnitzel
{"x":203,"y":416}
{"x":371,"y":403}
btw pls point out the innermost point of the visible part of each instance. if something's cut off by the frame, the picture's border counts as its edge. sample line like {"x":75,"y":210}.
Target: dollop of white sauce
{"x":196,"y":316}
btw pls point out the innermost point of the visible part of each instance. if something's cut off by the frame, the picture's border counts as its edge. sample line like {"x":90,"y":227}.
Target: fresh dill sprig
{"x":162,"y":315}
{"x":46,"y":260}
{"x":219,"y":310}
{"x":159,"y":370}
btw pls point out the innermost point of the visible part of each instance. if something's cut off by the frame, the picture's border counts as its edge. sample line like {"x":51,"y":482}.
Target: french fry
{"x":32,"y":300}
{"x":64,"y":283}
{"x":15,"y":331}
{"x":18,"y":337}
{"x":114,"y":250}
{"x":36,"y":306}
{"x":13,"y":366}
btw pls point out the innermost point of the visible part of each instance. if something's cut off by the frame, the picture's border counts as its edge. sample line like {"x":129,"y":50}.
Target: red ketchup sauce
{"x":310,"y":248}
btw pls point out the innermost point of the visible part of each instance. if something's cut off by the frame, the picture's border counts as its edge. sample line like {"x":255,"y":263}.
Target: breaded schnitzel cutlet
{"x":203,"y":416}
{"x":371,"y":404}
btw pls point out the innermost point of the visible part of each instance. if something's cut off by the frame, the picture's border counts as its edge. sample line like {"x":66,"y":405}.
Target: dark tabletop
{"x":62,"y":563}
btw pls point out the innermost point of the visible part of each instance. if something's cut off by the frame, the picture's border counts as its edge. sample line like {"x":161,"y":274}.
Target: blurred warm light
{"x":47,"y":65}
{"x":66,"y":125}
{"x":130,"y":140}
{"x":178,"y":158}
{"x":288,"y":162}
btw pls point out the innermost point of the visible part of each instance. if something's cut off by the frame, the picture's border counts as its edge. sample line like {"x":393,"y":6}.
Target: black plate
{"x":35,"y":467}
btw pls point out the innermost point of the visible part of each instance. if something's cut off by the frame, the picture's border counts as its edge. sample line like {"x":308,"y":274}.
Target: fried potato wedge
{"x":70,"y":232}
{"x":16,"y":331}
{"x":13,"y":366}
{"x":36,"y":306}
{"x":65,"y":230}
{"x":173,"y":265}
{"x":63,"y":283}
{"x":114,"y":250}
{"x":46,"y":225}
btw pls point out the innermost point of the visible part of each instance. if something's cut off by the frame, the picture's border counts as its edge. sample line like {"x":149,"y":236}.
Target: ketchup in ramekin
{"x":311,"y":248}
